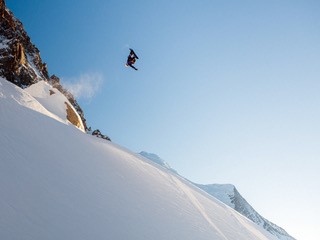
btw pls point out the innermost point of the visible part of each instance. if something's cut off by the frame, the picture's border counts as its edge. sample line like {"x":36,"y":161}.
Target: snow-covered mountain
{"x":57,"y":182}
{"x":228,"y":194}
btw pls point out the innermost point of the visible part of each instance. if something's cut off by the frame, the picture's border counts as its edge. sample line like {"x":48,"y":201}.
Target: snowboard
{"x":132,"y":52}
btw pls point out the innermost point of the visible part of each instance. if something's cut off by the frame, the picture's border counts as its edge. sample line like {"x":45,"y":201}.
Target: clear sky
{"x":226,"y":92}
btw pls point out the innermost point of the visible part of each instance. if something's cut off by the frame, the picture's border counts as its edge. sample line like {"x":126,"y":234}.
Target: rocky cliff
{"x":20,"y":61}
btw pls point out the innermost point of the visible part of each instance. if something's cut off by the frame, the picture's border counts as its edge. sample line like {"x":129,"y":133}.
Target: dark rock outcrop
{"x":98,"y":134}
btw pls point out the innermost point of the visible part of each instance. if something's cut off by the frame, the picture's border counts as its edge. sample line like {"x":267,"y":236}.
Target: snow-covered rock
{"x":57,"y":103}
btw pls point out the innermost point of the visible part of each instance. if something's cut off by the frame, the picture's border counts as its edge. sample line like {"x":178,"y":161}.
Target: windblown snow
{"x":57,"y":182}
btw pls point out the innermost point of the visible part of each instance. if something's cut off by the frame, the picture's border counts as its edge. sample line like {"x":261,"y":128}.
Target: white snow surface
{"x":54,"y":102}
{"x":155,"y":158}
{"x":58,"y":183}
{"x":221,"y":192}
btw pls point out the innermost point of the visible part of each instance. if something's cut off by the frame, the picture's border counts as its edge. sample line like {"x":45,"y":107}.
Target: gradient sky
{"x":226,"y":92}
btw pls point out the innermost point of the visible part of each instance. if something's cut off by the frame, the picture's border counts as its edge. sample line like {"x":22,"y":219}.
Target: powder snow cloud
{"x":85,"y":86}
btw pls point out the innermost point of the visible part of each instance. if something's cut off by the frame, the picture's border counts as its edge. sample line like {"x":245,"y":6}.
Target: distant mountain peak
{"x":229,"y":195}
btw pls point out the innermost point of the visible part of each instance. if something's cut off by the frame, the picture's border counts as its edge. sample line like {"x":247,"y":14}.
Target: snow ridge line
{"x":194,"y":201}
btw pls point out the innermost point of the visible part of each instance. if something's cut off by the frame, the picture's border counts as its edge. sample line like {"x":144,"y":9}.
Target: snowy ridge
{"x":223,"y":192}
{"x":23,"y":98}
{"x":58,"y":183}
{"x":155,"y":158}
{"x":228,"y":194}
{"x":37,"y":97}
{"x":53,"y":100}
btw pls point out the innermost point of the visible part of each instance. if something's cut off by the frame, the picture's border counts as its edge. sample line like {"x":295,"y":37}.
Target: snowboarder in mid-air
{"x":132,"y":59}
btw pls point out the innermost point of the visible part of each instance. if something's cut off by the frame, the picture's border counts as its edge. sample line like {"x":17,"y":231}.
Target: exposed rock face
{"x":98,"y":134}
{"x":55,"y":82}
{"x":72,"y":116}
{"x":20,"y":61}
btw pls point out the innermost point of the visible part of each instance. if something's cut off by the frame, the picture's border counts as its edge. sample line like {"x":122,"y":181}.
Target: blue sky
{"x":226,"y":92}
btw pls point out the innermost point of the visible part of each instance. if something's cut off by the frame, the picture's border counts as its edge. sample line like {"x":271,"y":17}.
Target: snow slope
{"x":155,"y":158}
{"x":58,"y":183}
{"x":220,"y":191}
{"x":229,"y":195}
